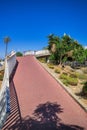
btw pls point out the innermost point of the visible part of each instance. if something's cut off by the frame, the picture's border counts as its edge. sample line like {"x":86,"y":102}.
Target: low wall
{"x":10,"y":63}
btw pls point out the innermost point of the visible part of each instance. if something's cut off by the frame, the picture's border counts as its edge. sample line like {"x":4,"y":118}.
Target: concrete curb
{"x":77,"y":99}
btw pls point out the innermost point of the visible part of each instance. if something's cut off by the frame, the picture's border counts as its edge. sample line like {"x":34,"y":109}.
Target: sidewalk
{"x":40,"y":103}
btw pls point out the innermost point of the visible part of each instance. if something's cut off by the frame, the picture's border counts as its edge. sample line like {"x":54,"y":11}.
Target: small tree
{"x":86,"y":53}
{"x":79,"y":55}
{"x":60,"y":49}
{"x":19,"y":54}
{"x":55,"y":47}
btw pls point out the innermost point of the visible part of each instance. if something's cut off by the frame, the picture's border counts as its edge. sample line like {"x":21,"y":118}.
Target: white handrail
{"x":4,"y":91}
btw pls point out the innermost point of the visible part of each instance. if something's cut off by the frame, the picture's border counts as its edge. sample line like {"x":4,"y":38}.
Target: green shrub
{"x":19,"y":54}
{"x":50,"y":66}
{"x":84,"y":89}
{"x":57,"y":70}
{"x":63,"y":76}
{"x":73,"y":75}
{"x":72,"y":81}
{"x":42,"y":60}
{"x":65,"y":82}
{"x":65,"y":73}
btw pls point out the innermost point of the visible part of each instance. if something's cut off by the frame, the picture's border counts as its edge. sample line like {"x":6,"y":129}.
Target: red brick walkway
{"x":43,"y":99}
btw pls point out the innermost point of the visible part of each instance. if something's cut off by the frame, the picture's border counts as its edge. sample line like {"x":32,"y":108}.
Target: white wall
{"x":10,"y":63}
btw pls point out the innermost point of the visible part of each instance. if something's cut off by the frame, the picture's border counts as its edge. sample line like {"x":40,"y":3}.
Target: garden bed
{"x":73,"y":79}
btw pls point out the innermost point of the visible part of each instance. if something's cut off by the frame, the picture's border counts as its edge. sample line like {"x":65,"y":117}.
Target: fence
{"x":10,"y":63}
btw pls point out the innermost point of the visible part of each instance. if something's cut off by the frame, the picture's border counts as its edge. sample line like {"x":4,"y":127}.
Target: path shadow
{"x":47,"y":114}
{"x":45,"y":117}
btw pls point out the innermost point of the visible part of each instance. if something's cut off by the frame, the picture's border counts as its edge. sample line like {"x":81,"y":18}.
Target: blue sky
{"x":29,"y":22}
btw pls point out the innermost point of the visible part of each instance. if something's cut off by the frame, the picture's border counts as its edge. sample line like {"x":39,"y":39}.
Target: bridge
{"x":40,"y":53}
{"x":37,"y":100}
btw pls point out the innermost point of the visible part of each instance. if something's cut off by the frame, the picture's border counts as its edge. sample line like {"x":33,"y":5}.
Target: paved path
{"x":42,"y":100}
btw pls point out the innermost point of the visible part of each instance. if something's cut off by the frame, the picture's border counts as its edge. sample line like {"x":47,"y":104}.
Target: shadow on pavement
{"x":45,"y":117}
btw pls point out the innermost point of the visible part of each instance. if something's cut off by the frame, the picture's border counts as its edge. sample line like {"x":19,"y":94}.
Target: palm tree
{"x":6,"y":40}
